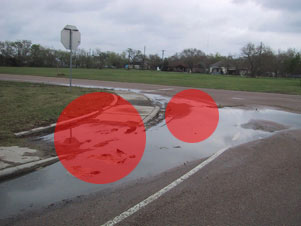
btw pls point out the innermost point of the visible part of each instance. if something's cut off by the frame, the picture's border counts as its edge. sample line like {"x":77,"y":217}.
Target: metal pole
{"x":144,"y":58}
{"x":129,"y":60}
{"x":162,"y":59}
{"x":70,"y":80}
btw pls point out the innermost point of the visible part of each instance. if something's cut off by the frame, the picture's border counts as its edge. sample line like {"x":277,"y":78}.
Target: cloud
{"x":289,"y":5}
{"x":283,"y":16}
{"x":211,"y":25}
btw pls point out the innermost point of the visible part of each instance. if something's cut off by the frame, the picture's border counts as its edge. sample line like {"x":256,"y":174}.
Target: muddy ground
{"x":264,"y":125}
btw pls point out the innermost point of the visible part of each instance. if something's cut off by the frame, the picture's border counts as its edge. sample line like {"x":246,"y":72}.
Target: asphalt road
{"x":223,"y":97}
{"x":257,"y":183}
{"x":253,"y":184}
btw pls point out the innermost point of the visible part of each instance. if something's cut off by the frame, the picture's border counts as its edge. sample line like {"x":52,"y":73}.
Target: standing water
{"x":163,"y":151}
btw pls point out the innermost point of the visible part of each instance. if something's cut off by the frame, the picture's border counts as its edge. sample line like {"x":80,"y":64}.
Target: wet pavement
{"x":14,"y":155}
{"x":15,"y":161}
{"x":54,"y":184}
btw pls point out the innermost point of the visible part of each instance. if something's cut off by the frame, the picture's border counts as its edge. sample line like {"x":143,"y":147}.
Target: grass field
{"x":25,"y":106}
{"x":271,"y":85}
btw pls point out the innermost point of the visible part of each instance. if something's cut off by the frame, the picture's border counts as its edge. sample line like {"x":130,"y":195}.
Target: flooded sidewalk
{"x":16,"y":161}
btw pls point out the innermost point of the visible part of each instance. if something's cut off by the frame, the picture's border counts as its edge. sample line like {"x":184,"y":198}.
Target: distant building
{"x":226,"y":68}
{"x":132,"y":66}
{"x":179,"y":66}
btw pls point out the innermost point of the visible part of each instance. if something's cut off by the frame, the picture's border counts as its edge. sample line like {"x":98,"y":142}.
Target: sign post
{"x":70,"y":38}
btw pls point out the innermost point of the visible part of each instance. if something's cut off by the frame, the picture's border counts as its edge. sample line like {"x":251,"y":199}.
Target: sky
{"x":223,"y":26}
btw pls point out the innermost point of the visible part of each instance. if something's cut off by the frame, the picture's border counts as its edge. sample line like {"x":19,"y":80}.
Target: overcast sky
{"x":210,"y":25}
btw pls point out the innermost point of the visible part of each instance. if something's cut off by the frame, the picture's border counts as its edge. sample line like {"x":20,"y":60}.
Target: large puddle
{"x":163,"y":151}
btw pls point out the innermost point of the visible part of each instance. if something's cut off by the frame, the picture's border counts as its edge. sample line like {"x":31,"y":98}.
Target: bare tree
{"x":192,"y":57}
{"x":154,"y":61}
{"x":249,"y":52}
{"x":259,"y":58}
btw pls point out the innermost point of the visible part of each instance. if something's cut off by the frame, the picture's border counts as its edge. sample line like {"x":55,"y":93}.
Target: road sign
{"x":70,"y":37}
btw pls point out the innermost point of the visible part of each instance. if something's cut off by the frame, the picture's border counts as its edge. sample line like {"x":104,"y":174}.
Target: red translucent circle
{"x":192,"y":115}
{"x":99,"y":138}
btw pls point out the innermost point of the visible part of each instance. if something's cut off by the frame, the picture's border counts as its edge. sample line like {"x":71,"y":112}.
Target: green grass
{"x":25,"y":106}
{"x":271,"y":85}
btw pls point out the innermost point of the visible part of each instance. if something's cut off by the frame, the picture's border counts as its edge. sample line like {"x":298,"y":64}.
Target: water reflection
{"x":191,"y":115}
{"x":103,"y":148}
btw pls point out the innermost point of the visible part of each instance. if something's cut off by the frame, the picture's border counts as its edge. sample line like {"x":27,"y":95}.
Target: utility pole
{"x":163,"y":54}
{"x":144,"y":57}
{"x":70,"y":79}
{"x":129,"y":59}
{"x":162,"y":58}
{"x":208,"y":44}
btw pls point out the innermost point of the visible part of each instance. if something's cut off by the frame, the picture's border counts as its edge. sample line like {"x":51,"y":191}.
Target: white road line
{"x":164,"y":190}
{"x":236,"y":136}
{"x":237,"y":98}
{"x":166,"y":89}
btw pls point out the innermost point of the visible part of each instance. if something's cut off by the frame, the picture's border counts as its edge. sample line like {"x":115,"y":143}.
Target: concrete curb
{"x":25,"y":168}
{"x":44,"y":128}
{"x":28,"y":167}
{"x":151,"y":115}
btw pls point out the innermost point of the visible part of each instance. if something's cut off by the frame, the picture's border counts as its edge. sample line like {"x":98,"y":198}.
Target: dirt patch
{"x":264,"y":125}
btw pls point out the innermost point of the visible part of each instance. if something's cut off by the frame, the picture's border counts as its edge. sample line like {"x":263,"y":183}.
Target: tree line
{"x":254,"y":60}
